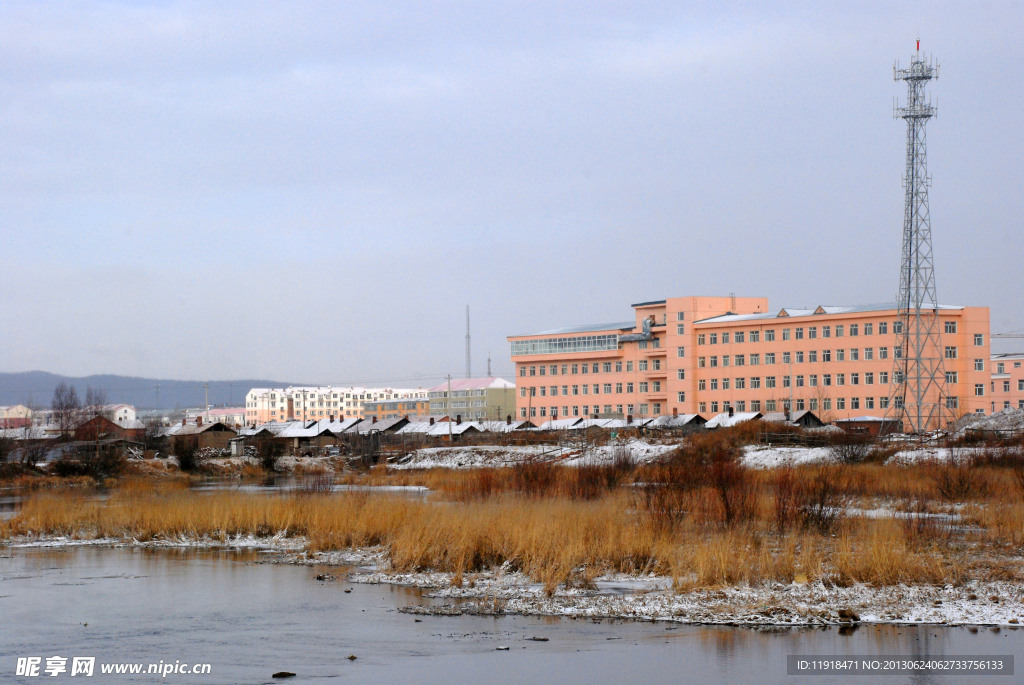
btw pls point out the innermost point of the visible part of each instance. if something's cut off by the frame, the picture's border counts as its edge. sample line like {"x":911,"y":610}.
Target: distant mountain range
{"x":35,"y":389}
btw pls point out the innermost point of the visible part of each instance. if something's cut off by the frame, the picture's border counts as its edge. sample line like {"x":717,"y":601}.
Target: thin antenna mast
{"x":468,"y":368}
{"x":918,"y":394}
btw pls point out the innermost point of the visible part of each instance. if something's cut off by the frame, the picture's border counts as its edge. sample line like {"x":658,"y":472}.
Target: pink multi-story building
{"x":1007,"y":385}
{"x":709,"y":354}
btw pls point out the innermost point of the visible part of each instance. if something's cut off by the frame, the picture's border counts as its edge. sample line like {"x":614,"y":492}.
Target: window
{"x":701,"y":362}
{"x":656,"y":365}
{"x":839,"y":331}
{"x":883,"y":352}
{"x":755,"y":382}
{"x":740,"y":360}
{"x":714,"y":384}
{"x":769,"y":405}
{"x":522,"y":370}
{"x":787,"y":358}
{"x":869,"y":330}
{"x":840,"y":379}
{"x":714,"y":361}
{"x":738,"y":337}
{"x":680,"y":351}
{"x":786,"y":381}
{"x":680,"y":374}
{"x":1020,"y":385}
{"x":725,"y":338}
{"x":785,"y":334}
{"x":869,"y":378}
{"x":826,"y":355}
{"x":769,"y":335}
{"x":826,"y":379}
{"x":869,"y":353}
{"x":680,"y":329}
{"x":883,"y":402}
{"x":607,"y":388}
{"x":769,"y":381}
{"x":812,"y":356}
{"x":642,"y":365}
{"x":565,"y":389}
{"x":629,"y":388}
{"x":979,"y":364}
{"x":755,"y":336}
{"x":826,"y":331}
{"x":812,"y":380}
{"x":713,"y":338}
{"x":854,"y":379}
{"x":714,"y":407}
{"x":950,"y":327}
{"x":979,"y":339}
{"x":702,"y":407}
{"x":800,"y":333}
{"x":854,"y":330}
{"x":607,"y":367}
{"x":576,"y":389}
{"x":680,"y":396}
{"x":799,"y":381}
{"x":840,"y":355}
{"x":855,"y":403}
{"x":951,"y":377}
{"x":755,"y":359}
{"x":700,"y":338}
{"x":725,"y":360}
{"x":854,"y":354}
{"x":618,"y":388}
{"x":740,"y":383}
{"x":769,"y":357}
{"x":1000,"y":367}
{"x":1006,"y":386}
{"x":840,"y":403}
{"x":979,"y":389}
{"x":799,"y":357}
{"x":951,"y":352}
{"x":725,"y":384}
{"x":897,"y":327}
{"x":543,"y":370}
{"x":629,"y":366}
{"x":883,"y":328}
{"x":584,"y":368}
{"x":702,"y":384}
{"x":643,"y":386}
{"x":812,"y":332}
{"x":952,"y":403}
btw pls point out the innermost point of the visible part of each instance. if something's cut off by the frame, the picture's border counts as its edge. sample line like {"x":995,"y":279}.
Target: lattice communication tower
{"x":918,"y":396}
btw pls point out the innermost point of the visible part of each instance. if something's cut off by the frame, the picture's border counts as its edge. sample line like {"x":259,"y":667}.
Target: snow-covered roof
{"x":416,"y":427}
{"x":822,"y":309}
{"x":559,"y":424}
{"x":193,"y":429}
{"x":473,"y":384}
{"x":501,"y":426}
{"x":378,"y":426}
{"x":724,"y":420}
{"x":131,"y":424}
{"x":675,"y":421}
{"x":450,"y":427}
{"x":863,"y":418}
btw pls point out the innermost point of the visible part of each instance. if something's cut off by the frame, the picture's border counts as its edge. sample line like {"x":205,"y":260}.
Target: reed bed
{"x":697,"y":517}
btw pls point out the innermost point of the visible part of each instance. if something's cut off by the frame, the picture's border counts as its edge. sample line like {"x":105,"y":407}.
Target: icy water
{"x":249,"y":620}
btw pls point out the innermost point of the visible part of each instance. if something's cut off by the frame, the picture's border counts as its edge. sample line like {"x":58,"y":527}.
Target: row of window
{"x":1006,"y":386}
{"x":811,"y":333}
{"x":644,"y":409}
{"x":812,"y":404}
{"x":588,"y":368}
{"x":587,"y":389}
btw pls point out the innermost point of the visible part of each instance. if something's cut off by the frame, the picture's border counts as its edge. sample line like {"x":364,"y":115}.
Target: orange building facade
{"x":1007,"y":386}
{"x":708,"y":354}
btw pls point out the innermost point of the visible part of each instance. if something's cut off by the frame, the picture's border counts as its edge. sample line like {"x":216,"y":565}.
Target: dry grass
{"x":697,"y":516}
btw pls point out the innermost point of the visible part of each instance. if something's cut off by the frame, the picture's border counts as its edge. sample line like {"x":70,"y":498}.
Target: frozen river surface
{"x":249,"y":620}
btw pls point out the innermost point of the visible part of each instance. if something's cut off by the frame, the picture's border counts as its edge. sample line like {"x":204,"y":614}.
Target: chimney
{"x":508,"y":420}
{"x":787,"y":412}
{"x":629,"y":418}
{"x":730,"y":410}
{"x":374,"y":420}
{"x":675,"y":412}
{"x":184,"y":421}
{"x":199,"y":420}
{"x":458,"y":419}
{"x":406,"y":417}
{"x":431,"y":420}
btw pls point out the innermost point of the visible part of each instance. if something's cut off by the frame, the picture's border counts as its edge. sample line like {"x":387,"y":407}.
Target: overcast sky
{"x":314,"y":191}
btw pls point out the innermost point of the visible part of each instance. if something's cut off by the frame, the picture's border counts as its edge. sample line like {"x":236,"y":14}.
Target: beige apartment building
{"x":302,"y":403}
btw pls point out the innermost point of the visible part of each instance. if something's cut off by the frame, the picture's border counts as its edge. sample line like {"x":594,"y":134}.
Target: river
{"x":249,"y":620}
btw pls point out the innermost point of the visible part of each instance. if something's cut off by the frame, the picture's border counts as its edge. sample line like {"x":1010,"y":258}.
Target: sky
{"x":314,"y":191}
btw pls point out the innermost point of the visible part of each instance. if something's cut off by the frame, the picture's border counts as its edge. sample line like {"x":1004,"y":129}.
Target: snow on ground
{"x":473,"y":456}
{"x":638,"y":597}
{"x":651,"y":598}
{"x":768,"y":457}
{"x":1010,"y":419}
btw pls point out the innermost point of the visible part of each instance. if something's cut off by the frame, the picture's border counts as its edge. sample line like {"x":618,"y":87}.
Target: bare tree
{"x":95,"y":401}
{"x":66,"y":408}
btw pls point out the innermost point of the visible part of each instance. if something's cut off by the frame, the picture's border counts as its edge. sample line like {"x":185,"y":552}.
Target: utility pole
{"x":206,"y":388}
{"x":450,"y":408}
